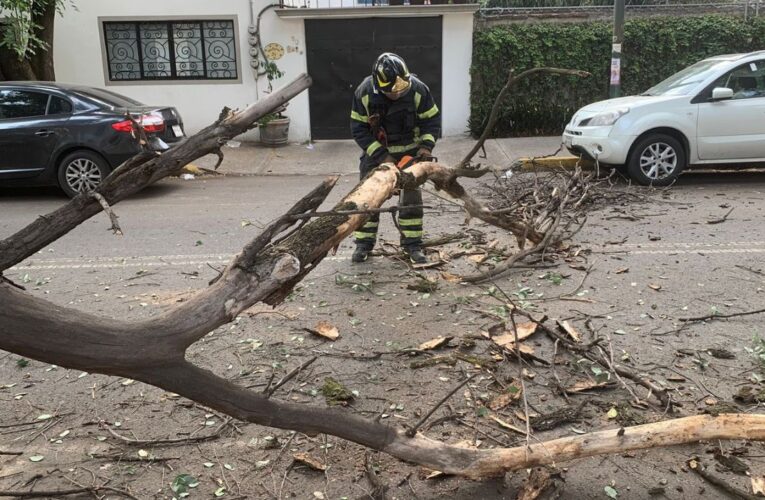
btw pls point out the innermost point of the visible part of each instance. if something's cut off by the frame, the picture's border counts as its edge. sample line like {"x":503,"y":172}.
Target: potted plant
{"x":274,"y":127}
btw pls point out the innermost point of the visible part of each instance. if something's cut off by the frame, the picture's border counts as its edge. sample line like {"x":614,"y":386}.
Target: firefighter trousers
{"x":409,"y":215}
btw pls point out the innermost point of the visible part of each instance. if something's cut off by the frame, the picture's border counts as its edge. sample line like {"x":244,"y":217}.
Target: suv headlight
{"x":605,"y":119}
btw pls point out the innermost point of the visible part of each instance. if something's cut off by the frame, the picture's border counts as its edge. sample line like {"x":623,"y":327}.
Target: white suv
{"x":711,"y":112}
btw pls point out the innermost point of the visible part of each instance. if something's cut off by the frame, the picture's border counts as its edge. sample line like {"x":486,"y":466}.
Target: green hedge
{"x":654,"y":48}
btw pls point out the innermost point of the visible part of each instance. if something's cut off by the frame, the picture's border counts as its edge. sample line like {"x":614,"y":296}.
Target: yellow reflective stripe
{"x":428,"y":137}
{"x":401,"y":149}
{"x":365,"y":102}
{"x":360,"y":235}
{"x":411,"y":234}
{"x":370,"y":225}
{"x":410,"y":222}
{"x":429,"y":113}
{"x":359,"y":118}
{"x":373,"y":147}
{"x":417,"y":99}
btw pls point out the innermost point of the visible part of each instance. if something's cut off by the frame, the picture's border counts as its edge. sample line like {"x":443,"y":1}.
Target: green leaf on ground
{"x":182,"y":483}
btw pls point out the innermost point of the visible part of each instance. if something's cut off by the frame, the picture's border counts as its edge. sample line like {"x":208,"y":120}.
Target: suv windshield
{"x":685,"y":81}
{"x":106,"y":98}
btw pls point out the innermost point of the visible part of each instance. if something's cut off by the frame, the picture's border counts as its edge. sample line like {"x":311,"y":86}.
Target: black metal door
{"x":341,"y":53}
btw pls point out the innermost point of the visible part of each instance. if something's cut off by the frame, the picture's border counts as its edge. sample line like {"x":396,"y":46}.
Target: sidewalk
{"x":342,"y":157}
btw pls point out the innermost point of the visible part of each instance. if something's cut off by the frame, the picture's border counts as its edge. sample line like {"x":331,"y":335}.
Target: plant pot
{"x":275,"y":132}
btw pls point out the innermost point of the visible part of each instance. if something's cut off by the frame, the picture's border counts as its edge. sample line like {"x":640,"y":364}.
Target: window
{"x":22,"y":104}
{"x":106,"y":98}
{"x":59,"y":106}
{"x":746,"y":81}
{"x":171,"y":50}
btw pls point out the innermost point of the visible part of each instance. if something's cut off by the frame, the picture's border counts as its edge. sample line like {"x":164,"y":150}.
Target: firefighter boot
{"x":361,"y":254}
{"x":415,"y":255}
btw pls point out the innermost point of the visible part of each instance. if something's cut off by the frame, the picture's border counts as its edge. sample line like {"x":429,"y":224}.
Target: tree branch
{"x":139,"y":172}
{"x":512,"y":79}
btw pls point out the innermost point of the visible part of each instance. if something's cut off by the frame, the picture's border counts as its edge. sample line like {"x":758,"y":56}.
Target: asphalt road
{"x":653,"y":260}
{"x":190,"y":221}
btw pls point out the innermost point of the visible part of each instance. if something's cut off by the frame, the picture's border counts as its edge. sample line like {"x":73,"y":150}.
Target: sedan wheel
{"x":82,"y":175}
{"x":656,"y":160}
{"x":81,"y":172}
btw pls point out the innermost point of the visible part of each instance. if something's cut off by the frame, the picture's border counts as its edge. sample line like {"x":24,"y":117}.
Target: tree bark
{"x":44,"y":18}
{"x":13,"y":68}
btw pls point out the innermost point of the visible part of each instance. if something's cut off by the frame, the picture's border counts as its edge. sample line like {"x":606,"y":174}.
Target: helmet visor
{"x":399,"y":88}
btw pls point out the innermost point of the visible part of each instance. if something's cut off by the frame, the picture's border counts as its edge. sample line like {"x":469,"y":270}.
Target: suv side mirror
{"x":721,"y":93}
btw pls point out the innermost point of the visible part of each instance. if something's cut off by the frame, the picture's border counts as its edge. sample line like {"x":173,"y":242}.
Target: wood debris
{"x":306,"y":459}
{"x":565,"y":327}
{"x":325,"y":329}
{"x":434,"y":343}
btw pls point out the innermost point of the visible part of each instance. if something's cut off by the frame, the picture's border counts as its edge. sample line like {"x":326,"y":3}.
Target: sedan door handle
{"x":44,"y":133}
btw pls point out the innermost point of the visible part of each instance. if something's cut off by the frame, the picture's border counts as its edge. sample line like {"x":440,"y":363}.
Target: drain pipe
{"x":255,"y":40}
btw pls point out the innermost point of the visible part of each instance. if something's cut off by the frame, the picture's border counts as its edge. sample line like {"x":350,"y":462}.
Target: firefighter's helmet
{"x":391,"y":76}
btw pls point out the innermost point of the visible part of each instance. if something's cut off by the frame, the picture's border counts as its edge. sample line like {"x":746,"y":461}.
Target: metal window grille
{"x":171,"y":50}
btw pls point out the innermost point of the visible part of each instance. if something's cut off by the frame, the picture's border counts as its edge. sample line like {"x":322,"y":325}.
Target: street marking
{"x":123,"y":263}
{"x":220,"y":258}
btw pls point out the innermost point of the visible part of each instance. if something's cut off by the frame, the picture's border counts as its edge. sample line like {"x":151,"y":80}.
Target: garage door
{"x":341,"y":53}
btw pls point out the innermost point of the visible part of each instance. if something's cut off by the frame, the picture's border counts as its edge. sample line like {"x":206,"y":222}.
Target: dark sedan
{"x":72,"y":136}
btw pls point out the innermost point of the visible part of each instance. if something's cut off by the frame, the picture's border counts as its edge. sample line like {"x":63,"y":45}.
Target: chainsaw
{"x":408,"y":160}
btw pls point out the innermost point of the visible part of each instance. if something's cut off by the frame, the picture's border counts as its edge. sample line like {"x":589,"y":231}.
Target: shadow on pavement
{"x":51,"y":194}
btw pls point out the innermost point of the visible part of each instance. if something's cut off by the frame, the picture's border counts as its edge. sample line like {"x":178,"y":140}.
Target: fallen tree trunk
{"x":153,"y":350}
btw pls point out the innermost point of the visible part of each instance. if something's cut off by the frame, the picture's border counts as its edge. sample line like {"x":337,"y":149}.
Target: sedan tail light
{"x":150,"y":122}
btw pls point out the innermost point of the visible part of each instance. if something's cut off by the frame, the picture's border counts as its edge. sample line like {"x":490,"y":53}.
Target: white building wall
{"x":457,"y":57}
{"x":79,"y":58}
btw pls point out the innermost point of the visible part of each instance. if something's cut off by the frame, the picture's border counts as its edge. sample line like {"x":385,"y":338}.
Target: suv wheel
{"x":81,"y":172}
{"x":656,"y":160}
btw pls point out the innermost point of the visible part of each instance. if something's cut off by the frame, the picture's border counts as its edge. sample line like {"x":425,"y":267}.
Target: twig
{"x":586,"y":351}
{"x":696,"y":466}
{"x":721,"y":219}
{"x":517,"y":349}
{"x":169,"y":442}
{"x":413,"y":430}
{"x":494,"y":114}
{"x":269,"y":391}
{"x":755,"y":271}
{"x":112,"y":216}
{"x":721,"y":316}
{"x":122,"y":458}
{"x":61,"y":493}
{"x":16,"y":453}
{"x":612,"y":367}
{"x":555,"y":373}
{"x":379,"y":488}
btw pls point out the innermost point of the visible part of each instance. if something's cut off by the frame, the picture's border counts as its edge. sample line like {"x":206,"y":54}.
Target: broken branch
{"x":512,"y":79}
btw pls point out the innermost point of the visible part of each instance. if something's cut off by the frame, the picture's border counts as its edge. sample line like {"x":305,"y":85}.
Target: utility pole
{"x":616,"y":49}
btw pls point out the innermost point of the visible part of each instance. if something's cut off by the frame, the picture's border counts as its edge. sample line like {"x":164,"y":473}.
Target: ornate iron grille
{"x":171,"y":50}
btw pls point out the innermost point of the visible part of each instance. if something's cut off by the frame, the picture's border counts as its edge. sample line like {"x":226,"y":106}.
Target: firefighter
{"x":394,"y":115}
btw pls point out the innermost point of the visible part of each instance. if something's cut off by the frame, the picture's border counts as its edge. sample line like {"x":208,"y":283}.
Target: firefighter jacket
{"x":411,"y":122}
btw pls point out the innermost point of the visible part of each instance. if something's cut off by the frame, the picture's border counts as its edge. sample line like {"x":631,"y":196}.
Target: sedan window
{"x":59,"y":106}
{"x":22,"y":104}
{"x":106,"y":98}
